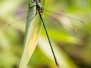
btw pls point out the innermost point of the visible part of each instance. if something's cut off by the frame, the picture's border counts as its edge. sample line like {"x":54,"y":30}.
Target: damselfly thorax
{"x":38,"y":5}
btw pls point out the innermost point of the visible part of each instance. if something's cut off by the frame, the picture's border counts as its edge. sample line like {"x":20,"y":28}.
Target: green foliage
{"x":89,"y":1}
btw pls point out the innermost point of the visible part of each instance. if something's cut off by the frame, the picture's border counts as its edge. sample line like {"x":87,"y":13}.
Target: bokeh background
{"x":74,"y":51}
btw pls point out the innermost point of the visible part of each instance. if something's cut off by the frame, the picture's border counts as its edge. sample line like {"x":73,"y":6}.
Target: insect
{"x":40,"y":10}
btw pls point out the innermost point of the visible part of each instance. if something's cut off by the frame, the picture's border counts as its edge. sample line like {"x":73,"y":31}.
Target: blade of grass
{"x":31,"y":37}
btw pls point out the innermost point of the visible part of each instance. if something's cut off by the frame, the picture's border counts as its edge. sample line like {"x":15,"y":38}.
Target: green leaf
{"x":31,"y":37}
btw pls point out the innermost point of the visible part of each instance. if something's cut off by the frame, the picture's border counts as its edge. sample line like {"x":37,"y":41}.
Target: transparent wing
{"x":67,"y":24}
{"x":21,"y":12}
{"x":60,"y":14}
{"x":21,"y":15}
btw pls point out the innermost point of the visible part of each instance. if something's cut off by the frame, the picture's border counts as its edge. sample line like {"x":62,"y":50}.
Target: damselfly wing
{"x":59,"y":20}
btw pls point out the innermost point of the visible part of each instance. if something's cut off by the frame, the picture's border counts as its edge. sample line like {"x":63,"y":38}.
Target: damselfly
{"x":40,"y":10}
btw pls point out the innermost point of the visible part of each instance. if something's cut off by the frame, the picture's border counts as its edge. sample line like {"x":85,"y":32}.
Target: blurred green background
{"x":73,"y":51}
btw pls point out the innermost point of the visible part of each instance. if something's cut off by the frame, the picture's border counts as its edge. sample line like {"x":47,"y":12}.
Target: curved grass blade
{"x":31,"y":37}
